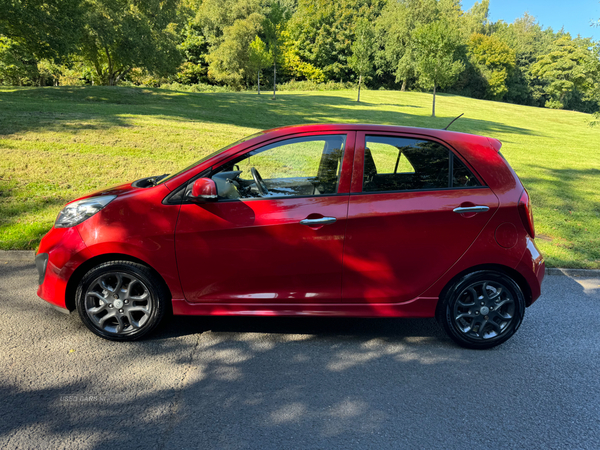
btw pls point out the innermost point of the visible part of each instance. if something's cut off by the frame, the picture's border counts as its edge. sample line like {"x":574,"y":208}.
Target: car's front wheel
{"x":121,"y":300}
{"x":483,"y":309}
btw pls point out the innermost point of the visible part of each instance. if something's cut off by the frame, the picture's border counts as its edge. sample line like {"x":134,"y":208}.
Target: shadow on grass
{"x":47,"y":108}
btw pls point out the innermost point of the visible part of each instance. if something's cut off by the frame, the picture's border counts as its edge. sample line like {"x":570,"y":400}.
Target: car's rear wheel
{"x":482,"y":309}
{"x":121,"y":300}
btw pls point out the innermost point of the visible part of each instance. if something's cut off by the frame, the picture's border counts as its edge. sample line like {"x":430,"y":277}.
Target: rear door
{"x":404,"y":229}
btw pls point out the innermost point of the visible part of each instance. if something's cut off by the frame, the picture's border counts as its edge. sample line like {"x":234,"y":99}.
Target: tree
{"x":44,"y":28}
{"x":194,"y":50}
{"x":274,"y":26}
{"x":361,"y":60}
{"x":293,"y":66}
{"x":17,"y":66}
{"x":230,"y":60}
{"x":260,"y":58}
{"x":436,"y":65}
{"x":495,"y":60}
{"x":122,"y":34}
{"x":476,"y":19}
{"x":569,"y":66}
{"x":322,"y":32}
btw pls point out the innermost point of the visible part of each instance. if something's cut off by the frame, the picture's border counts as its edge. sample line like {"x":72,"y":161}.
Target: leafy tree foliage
{"x":230,"y":61}
{"x":17,"y":65}
{"x":275,"y":22}
{"x":395,"y":31}
{"x":568,"y":67}
{"x":323,"y":31}
{"x":122,"y":34}
{"x":495,"y":60}
{"x":412,"y":44}
{"x":43,"y":28}
{"x":361,"y":60}
{"x":436,"y":45}
{"x":260,"y":58}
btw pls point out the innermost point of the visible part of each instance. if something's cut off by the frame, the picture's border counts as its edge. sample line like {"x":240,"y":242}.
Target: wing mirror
{"x":203,"y":189}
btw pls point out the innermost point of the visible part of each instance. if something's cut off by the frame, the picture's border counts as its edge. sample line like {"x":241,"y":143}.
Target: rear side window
{"x":461,"y":176}
{"x":402,"y":164}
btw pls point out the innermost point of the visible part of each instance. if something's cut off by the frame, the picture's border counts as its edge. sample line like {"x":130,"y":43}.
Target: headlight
{"x":76,"y":212}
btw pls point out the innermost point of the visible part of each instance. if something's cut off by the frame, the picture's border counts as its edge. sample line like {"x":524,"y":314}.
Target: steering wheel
{"x":260,"y":184}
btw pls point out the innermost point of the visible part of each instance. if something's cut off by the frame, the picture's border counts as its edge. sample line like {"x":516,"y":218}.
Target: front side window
{"x":299,"y":167}
{"x":401,"y":164}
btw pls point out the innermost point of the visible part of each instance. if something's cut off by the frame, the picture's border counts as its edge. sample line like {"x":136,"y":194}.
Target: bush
{"x":553,"y":104}
{"x":200,"y":87}
{"x":313,"y":86}
{"x":70,"y":77}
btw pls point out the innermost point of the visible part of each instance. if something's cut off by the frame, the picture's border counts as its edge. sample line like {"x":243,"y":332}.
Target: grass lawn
{"x":59,"y":143}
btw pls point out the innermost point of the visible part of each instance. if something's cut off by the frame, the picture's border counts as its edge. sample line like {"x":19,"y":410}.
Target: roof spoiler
{"x":495,"y":143}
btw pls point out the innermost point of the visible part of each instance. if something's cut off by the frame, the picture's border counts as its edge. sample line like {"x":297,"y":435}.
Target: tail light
{"x":526,"y":213}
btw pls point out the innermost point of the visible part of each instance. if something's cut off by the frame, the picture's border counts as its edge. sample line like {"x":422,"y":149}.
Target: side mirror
{"x":203,"y":189}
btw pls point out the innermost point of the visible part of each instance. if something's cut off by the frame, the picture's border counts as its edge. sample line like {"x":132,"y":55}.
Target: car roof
{"x":434,"y":132}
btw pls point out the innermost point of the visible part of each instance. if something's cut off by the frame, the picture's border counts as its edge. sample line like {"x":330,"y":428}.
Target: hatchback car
{"x":312,"y":220}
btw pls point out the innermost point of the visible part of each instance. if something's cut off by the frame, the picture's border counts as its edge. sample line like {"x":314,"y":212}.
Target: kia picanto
{"x":313,"y":220}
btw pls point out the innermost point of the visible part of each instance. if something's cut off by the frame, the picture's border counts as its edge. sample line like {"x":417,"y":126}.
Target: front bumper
{"x":61,"y":251}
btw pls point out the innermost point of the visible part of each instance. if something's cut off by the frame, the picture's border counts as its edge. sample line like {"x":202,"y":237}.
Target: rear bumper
{"x":533,"y":268}
{"x":61,"y":251}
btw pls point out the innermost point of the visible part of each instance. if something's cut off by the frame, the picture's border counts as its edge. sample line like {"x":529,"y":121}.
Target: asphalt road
{"x":269,"y":383}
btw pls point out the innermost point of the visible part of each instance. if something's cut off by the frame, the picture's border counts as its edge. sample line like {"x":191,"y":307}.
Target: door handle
{"x":318,"y":222}
{"x":471,"y":209}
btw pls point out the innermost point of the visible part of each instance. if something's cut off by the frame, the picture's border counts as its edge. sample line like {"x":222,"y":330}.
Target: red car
{"x":313,"y":220}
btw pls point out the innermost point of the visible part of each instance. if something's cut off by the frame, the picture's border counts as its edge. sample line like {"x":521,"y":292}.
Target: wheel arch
{"x":88,"y":265}
{"x":512,"y":273}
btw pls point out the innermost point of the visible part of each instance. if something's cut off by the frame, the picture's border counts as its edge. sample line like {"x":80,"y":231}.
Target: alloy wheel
{"x":118,"y":303}
{"x":484,"y":310}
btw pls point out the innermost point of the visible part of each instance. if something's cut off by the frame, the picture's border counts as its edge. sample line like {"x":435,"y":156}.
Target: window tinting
{"x":393,"y":164}
{"x":399,"y":164}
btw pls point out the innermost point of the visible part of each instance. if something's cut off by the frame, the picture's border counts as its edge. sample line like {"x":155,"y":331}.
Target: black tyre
{"x":481,"y":310}
{"x":121,"y":300}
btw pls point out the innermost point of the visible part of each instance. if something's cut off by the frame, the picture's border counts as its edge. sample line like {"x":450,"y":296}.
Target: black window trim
{"x":453,"y":153}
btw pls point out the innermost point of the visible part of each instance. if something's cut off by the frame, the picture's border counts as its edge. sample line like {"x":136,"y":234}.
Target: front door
{"x":276,"y":233}
{"x":403,"y":233}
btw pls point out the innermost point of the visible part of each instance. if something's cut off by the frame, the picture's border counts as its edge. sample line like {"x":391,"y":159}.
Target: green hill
{"x":59,"y":143}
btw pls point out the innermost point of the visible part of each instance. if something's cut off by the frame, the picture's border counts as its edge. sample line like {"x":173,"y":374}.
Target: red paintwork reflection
{"x":398,"y":244}
{"x":245,"y":251}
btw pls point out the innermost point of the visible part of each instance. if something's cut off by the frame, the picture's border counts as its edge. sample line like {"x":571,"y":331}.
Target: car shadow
{"x":390,"y":329}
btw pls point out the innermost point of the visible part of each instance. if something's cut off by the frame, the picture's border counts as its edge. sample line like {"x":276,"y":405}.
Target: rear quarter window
{"x":404,"y":164}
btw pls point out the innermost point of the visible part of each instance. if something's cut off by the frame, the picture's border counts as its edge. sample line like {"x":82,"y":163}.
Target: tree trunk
{"x":433,"y":108}
{"x":258,"y":72}
{"x":274,"y":79}
{"x":122,"y":75}
{"x":359,"y":83}
{"x":403,"y":88}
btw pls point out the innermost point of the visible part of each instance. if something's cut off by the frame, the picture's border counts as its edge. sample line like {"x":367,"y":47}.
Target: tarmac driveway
{"x":261,"y":383}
